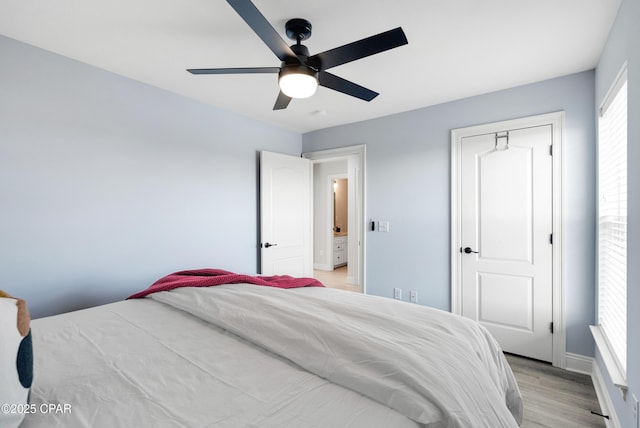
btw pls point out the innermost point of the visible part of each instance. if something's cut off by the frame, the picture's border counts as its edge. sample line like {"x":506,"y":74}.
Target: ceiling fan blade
{"x":360,"y":49}
{"x":259,"y":24}
{"x":282,"y":102}
{"x":246,"y":70}
{"x":339,"y":84}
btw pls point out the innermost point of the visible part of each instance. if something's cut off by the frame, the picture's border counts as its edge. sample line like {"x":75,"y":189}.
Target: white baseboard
{"x":579,"y":363}
{"x":587,"y":365}
{"x":603,"y":398}
{"x":322,"y":266}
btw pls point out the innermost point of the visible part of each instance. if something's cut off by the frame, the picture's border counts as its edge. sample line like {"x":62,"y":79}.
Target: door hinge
{"x":551,"y":239}
{"x":551,"y":150}
{"x":551,"y":327}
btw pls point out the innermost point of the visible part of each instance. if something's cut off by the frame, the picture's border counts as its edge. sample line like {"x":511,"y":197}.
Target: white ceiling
{"x":457,"y":48}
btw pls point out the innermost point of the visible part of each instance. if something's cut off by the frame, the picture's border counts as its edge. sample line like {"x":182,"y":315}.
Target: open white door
{"x":285,"y":215}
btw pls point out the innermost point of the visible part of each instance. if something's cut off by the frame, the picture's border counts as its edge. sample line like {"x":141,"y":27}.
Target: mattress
{"x":243,"y":355}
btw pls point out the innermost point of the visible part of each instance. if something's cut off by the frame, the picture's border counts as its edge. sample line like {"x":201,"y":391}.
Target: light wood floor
{"x":336,"y":279}
{"x":555,"y":398}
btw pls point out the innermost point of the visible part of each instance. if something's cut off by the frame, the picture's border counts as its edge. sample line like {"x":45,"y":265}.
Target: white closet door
{"x":506,"y":226}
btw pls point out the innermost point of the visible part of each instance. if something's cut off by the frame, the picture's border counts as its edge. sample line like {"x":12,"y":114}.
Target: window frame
{"x":611,"y":358}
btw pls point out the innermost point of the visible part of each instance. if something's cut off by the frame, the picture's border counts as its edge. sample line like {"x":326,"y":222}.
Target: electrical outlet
{"x":413,"y":296}
{"x":635,"y":409}
{"x":383,"y":226}
{"x":397,"y":293}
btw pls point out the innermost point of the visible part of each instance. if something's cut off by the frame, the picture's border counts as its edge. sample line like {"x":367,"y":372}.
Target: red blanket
{"x":211,"y":277}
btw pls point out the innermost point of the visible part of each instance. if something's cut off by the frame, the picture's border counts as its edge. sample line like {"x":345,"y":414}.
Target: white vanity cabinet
{"x":339,"y":250}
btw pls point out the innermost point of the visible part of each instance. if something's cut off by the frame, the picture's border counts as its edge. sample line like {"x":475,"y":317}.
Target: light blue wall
{"x":408,"y":184}
{"x":107,"y":184}
{"x":623,"y":45}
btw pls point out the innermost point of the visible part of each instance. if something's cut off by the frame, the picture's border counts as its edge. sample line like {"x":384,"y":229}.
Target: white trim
{"x":586,"y":365}
{"x":322,"y":266}
{"x":621,"y":79}
{"x":614,"y":360}
{"x":608,"y":358}
{"x":606,"y":405}
{"x":331,"y":155}
{"x":556,"y":120}
{"x":579,"y":363}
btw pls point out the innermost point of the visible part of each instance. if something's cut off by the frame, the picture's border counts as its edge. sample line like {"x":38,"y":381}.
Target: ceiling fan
{"x":299,"y":73}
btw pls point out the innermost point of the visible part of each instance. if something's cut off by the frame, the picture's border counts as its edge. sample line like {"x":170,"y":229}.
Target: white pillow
{"x":14,"y":393}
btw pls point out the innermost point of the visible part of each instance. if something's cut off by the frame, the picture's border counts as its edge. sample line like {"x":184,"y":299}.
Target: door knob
{"x":267,"y":245}
{"x":468,"y":250}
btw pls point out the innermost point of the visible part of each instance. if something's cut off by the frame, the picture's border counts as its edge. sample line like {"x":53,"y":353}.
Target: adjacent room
{"x":436,"y":224}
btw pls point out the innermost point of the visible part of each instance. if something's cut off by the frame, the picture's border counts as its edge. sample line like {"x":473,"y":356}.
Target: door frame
{"x":556,"y":120}
{"x":343,"y":153}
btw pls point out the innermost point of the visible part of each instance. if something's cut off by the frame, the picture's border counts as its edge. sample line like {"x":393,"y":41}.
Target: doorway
{"x":506,"y":233}
{"x":331,"y":252}
{"x":338,"y":217}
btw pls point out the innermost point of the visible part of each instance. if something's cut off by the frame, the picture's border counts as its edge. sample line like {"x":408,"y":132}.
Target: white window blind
{"x":612,"y":220}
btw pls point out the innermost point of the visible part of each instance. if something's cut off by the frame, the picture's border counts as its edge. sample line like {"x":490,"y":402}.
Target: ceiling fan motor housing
{"x":300,"y":50}
{"x":297,"y":69}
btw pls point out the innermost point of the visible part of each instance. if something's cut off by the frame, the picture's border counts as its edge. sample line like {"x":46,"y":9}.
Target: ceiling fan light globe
{"x":298,"y":85}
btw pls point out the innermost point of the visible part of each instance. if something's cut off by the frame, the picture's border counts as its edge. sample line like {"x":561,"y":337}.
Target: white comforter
{"x":437,"y":369}
{"x":249,"y":356}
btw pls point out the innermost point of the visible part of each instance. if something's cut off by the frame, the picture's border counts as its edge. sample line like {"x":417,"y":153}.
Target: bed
{"x":247,"y":355}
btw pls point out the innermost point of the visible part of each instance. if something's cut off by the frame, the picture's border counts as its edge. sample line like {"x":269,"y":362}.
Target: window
{"x":612,"y":222}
